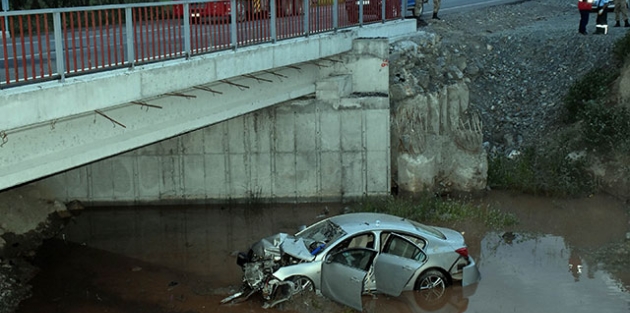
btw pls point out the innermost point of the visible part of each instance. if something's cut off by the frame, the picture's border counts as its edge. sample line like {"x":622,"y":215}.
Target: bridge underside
{"x":58,"y":127}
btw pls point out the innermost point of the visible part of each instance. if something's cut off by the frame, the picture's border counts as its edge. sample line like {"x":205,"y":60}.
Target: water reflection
{"x":528,"y":273}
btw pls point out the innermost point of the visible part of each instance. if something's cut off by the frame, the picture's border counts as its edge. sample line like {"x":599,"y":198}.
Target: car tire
{"x":302,"y":284}
{"x":432,"y":287}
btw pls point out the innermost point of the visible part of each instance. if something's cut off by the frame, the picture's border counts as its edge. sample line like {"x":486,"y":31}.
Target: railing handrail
{"x":103,"y":7}
{"x":56,"y":43}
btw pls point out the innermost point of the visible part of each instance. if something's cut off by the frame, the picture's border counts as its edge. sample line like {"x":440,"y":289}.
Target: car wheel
{"x":432,"y":290}
{"x":302,"y":284}
{"x":432,"y":280}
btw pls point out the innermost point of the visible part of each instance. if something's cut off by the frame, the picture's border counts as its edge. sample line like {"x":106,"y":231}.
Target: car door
{"x":397,"y":263}
{"x":343,"y":275}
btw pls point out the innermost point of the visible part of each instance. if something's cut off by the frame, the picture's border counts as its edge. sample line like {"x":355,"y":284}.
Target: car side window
{"x":365,"y":240}
{"x":356,"y":258}
{"x":402,"y":247}
{"x":421,"y":243}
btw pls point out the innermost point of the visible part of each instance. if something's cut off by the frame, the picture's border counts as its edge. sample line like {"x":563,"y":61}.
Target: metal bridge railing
{"x":40,"y":45}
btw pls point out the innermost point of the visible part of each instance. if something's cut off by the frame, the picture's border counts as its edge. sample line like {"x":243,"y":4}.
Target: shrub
{"x":594,"y":86}
{"x":547,"y":171}
{"x":606,"y":129}
{"x":621,"y":49}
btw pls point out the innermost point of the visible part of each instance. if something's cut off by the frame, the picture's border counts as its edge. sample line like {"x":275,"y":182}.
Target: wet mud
{"x":181,"y":259}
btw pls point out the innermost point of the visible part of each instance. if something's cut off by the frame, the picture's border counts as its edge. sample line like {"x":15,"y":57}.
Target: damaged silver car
{"x":345,"y":256}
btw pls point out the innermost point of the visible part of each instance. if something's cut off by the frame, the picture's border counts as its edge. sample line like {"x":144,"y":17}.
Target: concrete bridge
{"x":293,"y":107}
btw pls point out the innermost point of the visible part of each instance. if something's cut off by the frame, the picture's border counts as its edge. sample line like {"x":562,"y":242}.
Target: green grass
{"x":430,"y":209}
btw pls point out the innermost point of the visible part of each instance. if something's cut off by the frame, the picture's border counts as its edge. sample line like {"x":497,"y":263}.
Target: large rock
{"x":436,"y":137}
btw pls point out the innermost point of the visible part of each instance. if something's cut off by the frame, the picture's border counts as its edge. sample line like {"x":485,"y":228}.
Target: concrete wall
{"x":331,"y":145}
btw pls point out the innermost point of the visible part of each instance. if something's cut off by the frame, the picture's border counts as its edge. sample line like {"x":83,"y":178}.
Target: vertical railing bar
{"x":383,"y":17}
{"x":74,"y":51}
{"x":115,"y":27}
{"x":109,"y":45}
{"x":100,"y":26}
{"x":171,"y":35}
{"x":86,"y":17}
{"x":178,"y":35}
{"x":131,"y":35}
{"x":59,"y":39}
{"x":121,"y":39}
{"x":335,"y":12}
{"x":65,"y":40}
{"x":233,"y":37}
{"x":48,"y":62}
{"x":307,"y":11}
{"x":24,"y":63}
{"x":154,"y":49}
{"x":274,"y":31}
{"x":144,"y":28}
{"x":194,"y":33}
{"x":39,"y":47}
{"x":32,"y":46}
{"x":361,"y":12}
{"x":4,"y":49}
{"x":187,"y":34}
{"x":163,"y":32}
{"x":16,"y":68}
{"x":95,"y":40}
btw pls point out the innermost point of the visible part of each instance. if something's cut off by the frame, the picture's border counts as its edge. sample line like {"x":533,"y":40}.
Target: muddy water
{"x":180,"y":259}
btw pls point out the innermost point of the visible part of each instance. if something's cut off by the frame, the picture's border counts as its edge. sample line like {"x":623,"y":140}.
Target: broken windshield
{"x":322,"y":233}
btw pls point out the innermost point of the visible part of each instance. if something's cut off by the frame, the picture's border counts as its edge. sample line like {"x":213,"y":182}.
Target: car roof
{"x":357,"y":222}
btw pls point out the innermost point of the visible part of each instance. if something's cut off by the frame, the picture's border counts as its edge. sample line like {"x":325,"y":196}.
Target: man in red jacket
{"x":585,"y":9}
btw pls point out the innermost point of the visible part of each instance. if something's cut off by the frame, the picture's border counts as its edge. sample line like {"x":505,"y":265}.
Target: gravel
{"x":522,"y":59}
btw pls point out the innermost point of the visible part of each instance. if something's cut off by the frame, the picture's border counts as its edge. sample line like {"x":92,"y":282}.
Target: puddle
{"x":181,"y":259}
{"x":543,"y":274}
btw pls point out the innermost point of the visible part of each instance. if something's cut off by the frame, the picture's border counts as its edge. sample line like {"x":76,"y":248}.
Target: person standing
{"x":436,"y":8}
{"x":585,"y":9}
{"x":621,"y":9}
{"x":602,"y":17}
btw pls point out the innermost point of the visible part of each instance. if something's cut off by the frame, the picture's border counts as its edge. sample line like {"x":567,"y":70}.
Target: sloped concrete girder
{"x":65,"y":143}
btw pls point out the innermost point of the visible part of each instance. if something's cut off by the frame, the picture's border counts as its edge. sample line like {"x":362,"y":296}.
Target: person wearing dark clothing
{"x":436,"y":8}
{"x":602,"y":17}
{"x":585,"y":9}
{"x":621,"y":10}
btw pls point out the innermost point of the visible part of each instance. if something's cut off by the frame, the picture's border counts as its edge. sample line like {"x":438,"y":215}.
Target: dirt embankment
{"x":29,"y":215}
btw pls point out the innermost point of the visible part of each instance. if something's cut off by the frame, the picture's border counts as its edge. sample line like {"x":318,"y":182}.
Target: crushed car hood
{"x":296,"y":248}
{"x":282,"y":243}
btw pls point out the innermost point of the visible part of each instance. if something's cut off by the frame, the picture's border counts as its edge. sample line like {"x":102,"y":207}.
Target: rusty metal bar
{"x":144,"y":104}
{"x":208,"y":89}
{"x":110,"y":119}
{"x":258,"y":78}
{"x":235,"y":84}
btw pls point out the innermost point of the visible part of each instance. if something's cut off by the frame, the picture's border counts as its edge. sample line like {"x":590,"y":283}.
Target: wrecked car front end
{"x":281,"y":265}
{"x":263,"y":260}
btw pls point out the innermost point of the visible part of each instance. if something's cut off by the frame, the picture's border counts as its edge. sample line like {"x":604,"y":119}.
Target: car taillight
{"x":463,"y":252}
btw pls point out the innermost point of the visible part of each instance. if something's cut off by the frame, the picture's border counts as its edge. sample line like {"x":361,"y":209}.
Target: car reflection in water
{"x":453,"y":299}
